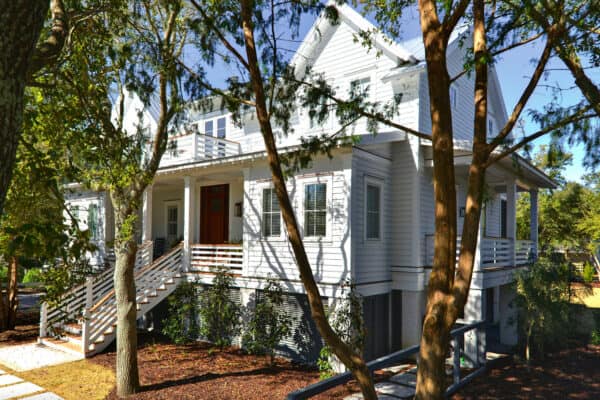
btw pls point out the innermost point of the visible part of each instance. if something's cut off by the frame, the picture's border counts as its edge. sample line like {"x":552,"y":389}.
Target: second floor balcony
{"x":194,"y":146}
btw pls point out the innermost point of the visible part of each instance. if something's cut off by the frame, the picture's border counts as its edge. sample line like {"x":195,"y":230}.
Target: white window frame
{"x":259,"y":199}
{"x":262,"y":213}
{"x":303,"y":182}
{"x":171,"y":203}
{"x":215,"y":126}
{"x":377,"y":182}
{"x":362,"y":78}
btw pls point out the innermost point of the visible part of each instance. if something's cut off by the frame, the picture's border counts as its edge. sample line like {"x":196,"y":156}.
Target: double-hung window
{"x":373,"y":211}
{"x":315,"y":210}
{"x":360,"y":88}
{"x":172,"y":219}
{"x":271,"y":218}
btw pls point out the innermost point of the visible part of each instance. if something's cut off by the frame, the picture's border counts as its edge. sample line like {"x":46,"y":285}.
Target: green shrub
{"x":220,"y":315}
{"x":542,"y":298}
{"x":347,"y":321}
{"x":588,"y":273}
{"x":181,"y":325}
{"x":268,"y":323}
{"x":33,"y":275}
{"x":595,"y":337}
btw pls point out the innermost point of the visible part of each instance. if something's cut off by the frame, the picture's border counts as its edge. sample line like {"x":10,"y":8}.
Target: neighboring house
{"x":366,"y":215}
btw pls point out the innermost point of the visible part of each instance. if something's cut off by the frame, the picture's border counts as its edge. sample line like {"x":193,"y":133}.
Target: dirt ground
{"x":570,"y":374}
{"x":27,"y":329}
{"x":197,"y":372}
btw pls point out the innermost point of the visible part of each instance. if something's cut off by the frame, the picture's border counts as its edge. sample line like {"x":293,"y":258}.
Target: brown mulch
{"x":26,"y":330}
{"x":168,"y":371}
{"x":570,"y":374}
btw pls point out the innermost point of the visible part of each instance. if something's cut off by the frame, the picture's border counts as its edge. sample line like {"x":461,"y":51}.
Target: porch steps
{"x":92,"y":330}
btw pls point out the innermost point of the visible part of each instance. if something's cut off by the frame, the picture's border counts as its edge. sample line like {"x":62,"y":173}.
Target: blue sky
{"x":514,"y":69}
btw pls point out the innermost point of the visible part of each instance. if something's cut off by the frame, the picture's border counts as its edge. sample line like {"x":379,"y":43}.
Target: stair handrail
{"x":94,"y":286}
{"x":98,"y":326}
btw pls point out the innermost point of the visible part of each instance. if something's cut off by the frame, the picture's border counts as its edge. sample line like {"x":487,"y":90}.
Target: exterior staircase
{"x":85,"y":322}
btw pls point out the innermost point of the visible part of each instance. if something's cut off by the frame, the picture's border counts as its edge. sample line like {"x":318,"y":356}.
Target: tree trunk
{"x":125,"y":251}
{"x":435,"y":340}
{"x":12,"y":293}
{"x":2,"y":306}
{"x":21,"y":22}
{"x":351,"y":360}
{"x":590,"y":91}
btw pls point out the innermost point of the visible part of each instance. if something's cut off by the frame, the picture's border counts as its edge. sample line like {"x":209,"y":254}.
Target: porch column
{"x":533,"y":218}
{"x":147,"y":214}
{"x":511,"y":216}
{"x":475,"y":340}
{"x":189,"y":201}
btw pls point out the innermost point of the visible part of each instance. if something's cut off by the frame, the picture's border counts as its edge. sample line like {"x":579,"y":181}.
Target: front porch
{"x":201,"y":211}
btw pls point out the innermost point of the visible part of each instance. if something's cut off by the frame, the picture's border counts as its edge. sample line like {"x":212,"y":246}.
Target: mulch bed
{"x":570,"y":374}
{"x":27,"y":329}
{"x":196,"y":371}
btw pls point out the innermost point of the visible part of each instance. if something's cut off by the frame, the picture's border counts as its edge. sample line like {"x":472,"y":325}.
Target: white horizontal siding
{"x":372,"y":257}
{"x":329,"y":258}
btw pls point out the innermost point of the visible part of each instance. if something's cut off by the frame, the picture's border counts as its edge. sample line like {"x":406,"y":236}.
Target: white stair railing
{"x":83,"y":296}
{"x":102,"y":316}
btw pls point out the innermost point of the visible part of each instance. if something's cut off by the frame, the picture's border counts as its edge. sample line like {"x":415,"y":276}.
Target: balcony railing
{"x":195,"y":146}
{"x":207,"y":257}
{"x":494,"y":252}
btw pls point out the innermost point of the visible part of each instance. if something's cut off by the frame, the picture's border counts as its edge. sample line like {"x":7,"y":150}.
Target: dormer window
{"x":360,"y":87}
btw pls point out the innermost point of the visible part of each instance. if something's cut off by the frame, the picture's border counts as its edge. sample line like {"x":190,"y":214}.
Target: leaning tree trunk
{"x":124,"y":282}
{"x":21,"y":22}
{"x":12,"y":293}
{"x":353,"y":361}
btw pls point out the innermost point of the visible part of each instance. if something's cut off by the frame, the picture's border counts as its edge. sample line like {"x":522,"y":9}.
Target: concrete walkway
{"x":25,"y":357}
{"x":399,"y":386}
{"x":12,"y":387}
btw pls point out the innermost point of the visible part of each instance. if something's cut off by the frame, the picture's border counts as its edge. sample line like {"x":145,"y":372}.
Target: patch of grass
{"x":73,"y":381}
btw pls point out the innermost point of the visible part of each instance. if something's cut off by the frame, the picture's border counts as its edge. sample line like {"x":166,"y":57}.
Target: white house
{"x":367,"y":214}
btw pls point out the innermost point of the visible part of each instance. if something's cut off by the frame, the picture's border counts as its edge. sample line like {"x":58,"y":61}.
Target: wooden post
{"x":43,"y":321}
{"x":456,"y":359}
{"x":85,"y":325}
{"x":533,"y":217}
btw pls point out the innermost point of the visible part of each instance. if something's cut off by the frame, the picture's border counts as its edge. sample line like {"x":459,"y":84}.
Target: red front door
{"x":214,"y":214}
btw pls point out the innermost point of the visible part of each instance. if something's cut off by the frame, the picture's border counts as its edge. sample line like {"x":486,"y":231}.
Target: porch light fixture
{"x":238,"y":209}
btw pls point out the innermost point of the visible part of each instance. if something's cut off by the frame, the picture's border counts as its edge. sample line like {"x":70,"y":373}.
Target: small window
{"x":373,"y":211}
{"x":208,"y":128}
{"x":271,"y":218}
{"x":490,"y":127}
{"x":315,"y":210}
{"x":172,"y":217}
{"x":93,"y":225}
{"x":360,"y":87}
{"x":221,"y":130}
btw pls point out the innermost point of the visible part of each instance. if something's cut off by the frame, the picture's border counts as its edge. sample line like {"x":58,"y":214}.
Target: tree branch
{"x":48,"y":51}
{"x":578,"y":116}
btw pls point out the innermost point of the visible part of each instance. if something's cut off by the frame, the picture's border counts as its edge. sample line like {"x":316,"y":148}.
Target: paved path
{"x":399,"y":386}
{"x":12,"y":386}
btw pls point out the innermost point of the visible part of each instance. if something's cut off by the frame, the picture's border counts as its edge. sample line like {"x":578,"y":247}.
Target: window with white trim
{"x":360,"y":87}
{"x":93,"y":223}
{"x":172,"y":219}
{"x":221,"y":127}
{"x":271,"y":214}
{"x":315,"y":210}
{"x":373,"y":211}
{"x":453,"y":96}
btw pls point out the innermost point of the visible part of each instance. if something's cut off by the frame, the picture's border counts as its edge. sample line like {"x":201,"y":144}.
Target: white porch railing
{"x":204,"y":257}
{"x":195,"y":146}
{"x":524,"y":252}
{"x":494,"y":252}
